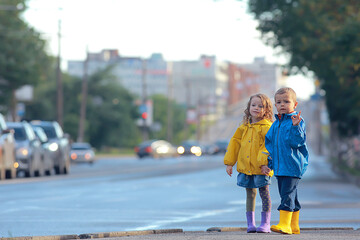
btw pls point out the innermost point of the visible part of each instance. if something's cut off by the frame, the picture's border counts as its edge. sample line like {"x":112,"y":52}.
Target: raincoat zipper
{"x":277,"y":145}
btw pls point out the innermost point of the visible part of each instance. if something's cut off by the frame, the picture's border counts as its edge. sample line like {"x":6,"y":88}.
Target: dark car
{"x":82,"y":152}
{"x":156,"y":149}
{"x":209,"y":149}
{"x":59,"y":145}
{"x":190,"y":147}
{"x":221,"y":146}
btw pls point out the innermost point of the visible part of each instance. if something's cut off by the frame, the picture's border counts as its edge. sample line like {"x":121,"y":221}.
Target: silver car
{"x":46,"y":153}
{"x":28,"y":149}
{"x":59,"y":144}
{"x":82,"y":152}
{"x":8,"y":162}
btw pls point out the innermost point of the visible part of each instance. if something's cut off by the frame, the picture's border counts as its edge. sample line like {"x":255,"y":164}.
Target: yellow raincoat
{"x":247,"y":148}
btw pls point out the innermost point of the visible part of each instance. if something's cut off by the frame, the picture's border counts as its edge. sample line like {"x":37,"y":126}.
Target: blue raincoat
{"x":288,"y":153}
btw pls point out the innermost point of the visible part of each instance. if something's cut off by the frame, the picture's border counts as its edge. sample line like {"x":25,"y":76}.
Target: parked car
{"x":59,"y":145}
{"x":190,"y":147}
{"x":82,"y":152}
{"x":46,"y":153}
{"x":156,"y":149}
{"x":28,"y":149}
{"x":8,"y":162}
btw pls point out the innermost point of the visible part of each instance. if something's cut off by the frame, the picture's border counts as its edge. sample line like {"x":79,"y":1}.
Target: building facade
{"x":206,"y":87}
{"x":142,"y":77}
{"x":267,"y":75}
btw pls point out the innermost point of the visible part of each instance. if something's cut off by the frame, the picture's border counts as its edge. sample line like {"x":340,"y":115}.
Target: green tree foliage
{"x":161,"y":112}
{"x":323,"y":37}
{"x":22,"y":51}
{"x":110,"y":115}
{"x":111,"y":112}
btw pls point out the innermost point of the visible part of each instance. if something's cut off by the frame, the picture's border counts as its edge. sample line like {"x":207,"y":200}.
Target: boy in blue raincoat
{"x":288,"y":157}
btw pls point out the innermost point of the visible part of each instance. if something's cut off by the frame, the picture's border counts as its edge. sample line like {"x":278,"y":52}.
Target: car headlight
{"x":88,"y":156}
{"x":53,"y":147}
{"x":195,"y":150}
{"x":162,"y":149}
{"x":22,"y":152}
{"x":16,"y":164}
{"x":73,"y":156}
{"x":180,"y":150}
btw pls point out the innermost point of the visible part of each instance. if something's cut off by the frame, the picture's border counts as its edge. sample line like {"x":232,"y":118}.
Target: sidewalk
{"x":209,"y":234}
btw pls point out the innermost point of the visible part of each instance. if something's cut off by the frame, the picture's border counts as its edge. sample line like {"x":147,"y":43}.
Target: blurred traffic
{"x":33,"y":149}
{"x":41,"y":148}
{"x":163,"y":149}
{"x":155,"y":149}
{"x":190,"y":147}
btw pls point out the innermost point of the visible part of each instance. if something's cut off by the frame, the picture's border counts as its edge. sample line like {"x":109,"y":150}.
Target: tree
{"x":160,"y":116}
{"x":111,"y":114}
{"x":22,"y":52}
{"x":323,"y":37}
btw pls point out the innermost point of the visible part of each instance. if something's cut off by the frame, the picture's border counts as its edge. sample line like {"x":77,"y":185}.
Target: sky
{"x":179,"y":29}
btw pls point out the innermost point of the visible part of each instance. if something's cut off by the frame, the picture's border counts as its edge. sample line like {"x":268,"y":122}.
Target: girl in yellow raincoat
{"x":247,"y":149}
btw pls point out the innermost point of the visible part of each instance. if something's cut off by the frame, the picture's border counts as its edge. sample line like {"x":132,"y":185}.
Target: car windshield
{"x":81,"y":147}
{"x":49,"y":131}
{"x":147,"y":143}
{"x":19,"y":134}
{"x":40,"y":134}
{"x":190,"y":143}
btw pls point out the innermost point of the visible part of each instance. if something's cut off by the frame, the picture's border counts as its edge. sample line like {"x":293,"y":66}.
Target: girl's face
{"x":256,"y":109}
{"x":284,"y":103}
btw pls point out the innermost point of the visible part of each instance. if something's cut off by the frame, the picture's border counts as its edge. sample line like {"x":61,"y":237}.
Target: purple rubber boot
{"x":265,"y":223}
{"x":250,"y":216}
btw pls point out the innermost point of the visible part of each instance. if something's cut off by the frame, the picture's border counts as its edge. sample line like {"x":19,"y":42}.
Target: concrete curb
{"x":157,"y":231}
{"x":59,"y":237}
{"x":97,"y":235}
{"x":237,"y":229}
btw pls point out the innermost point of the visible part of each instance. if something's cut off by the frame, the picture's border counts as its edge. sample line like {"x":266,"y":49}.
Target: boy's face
{"x":284,"y":103}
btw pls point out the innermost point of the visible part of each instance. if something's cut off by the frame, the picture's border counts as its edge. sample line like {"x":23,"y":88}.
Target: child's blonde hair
{"x":268,"y":109}
{"x":287,"y":90}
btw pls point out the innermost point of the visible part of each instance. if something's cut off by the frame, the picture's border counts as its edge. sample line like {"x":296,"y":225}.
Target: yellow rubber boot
{"x":295,"y":223}
{"x":284,"y":223}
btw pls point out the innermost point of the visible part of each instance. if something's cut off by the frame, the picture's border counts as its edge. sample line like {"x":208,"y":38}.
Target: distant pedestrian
{"x":286,"y":143}
{"x":246,"y":148}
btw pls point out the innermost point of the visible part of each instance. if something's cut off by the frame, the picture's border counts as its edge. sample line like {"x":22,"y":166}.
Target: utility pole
{"x":169,"y":107}
{"x":188,"y":103}
{"x":84,"y":93}
{"x":59,"y":105}
{"x":198,"y":117}
{"x":144,"y":128}
{"x":317,"y":116}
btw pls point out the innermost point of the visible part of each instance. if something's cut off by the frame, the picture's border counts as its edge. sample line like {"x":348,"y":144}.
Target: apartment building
{"x":142,"y":77}
{"x":267,"y":75}
{"x":207,"y":86}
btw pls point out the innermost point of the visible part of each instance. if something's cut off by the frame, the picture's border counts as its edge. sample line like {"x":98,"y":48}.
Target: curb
{"x":96,"y":235}
{"x":157,"y":231}
{"x":237,"y":229}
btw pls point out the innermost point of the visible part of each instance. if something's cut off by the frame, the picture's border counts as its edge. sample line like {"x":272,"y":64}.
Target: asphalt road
{"x":192,"y":194}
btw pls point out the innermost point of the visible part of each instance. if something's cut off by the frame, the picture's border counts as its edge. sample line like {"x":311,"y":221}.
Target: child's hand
{"x":296,"y":119}
{"x":229,"y":170}
{"x":265,"y":170}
